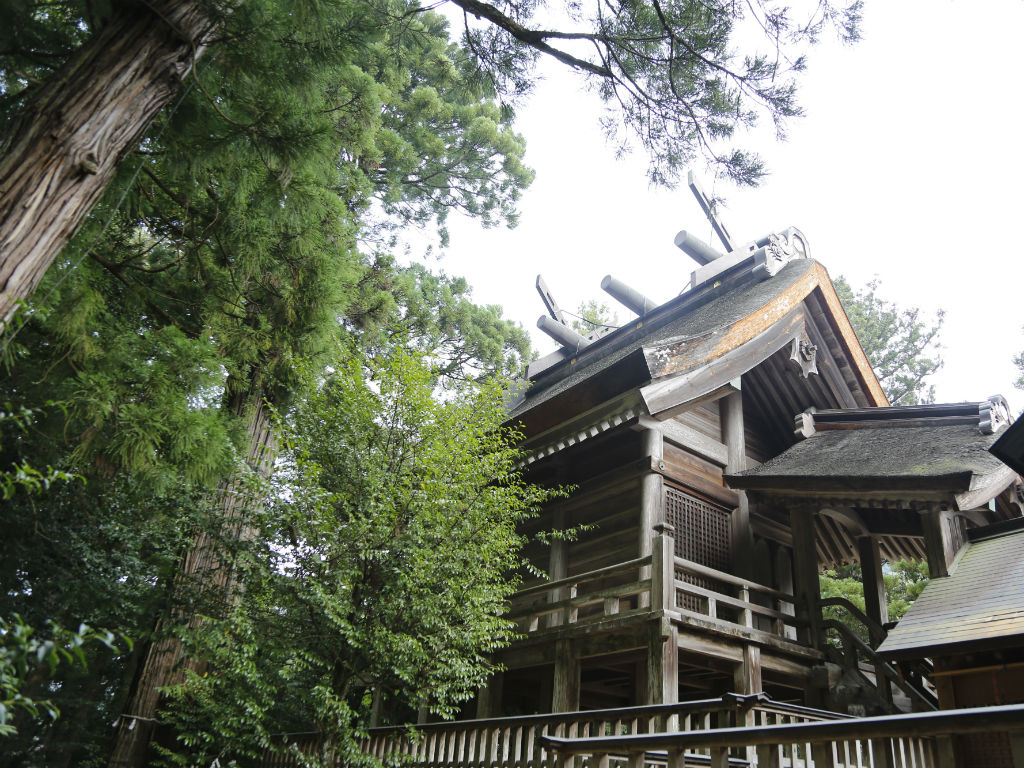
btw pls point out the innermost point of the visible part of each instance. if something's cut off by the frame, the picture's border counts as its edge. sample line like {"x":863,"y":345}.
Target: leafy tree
{"x":380,"y":568}
{"x":23,"y":651}
{"x":904,"y":582}
{"x":174,"y":322}
{"x":900,"y":345}
{"x":592,"y":315}
{"x":80,"y":82}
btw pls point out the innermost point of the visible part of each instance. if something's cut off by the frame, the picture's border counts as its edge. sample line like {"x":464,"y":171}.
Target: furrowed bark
{"x":165,"y":663}
{"x":63,"y":151}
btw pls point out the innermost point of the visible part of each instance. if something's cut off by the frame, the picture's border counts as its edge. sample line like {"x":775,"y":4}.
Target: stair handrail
{"x":849,"y":638}
{"x":876,"y":632}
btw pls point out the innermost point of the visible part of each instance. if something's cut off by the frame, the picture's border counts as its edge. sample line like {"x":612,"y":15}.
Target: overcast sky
{"x":908,"y":166}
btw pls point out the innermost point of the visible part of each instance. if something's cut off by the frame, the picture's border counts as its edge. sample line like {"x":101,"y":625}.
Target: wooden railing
{"x":921,"y":740}
{"x":612,"y":591}
{"x":517,"y":742}
{"x":737,"y":608}
{"x":658,"y":582}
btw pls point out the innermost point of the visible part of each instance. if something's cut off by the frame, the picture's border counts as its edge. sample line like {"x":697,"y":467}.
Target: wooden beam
{"x":652,"y":510}
{"x":549,"y":301}
{"x":695,"y":442}
{"x":558,"y":566}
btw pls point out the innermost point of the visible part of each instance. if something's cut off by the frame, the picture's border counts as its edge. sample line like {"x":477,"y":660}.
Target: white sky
{"x":908,"y":166}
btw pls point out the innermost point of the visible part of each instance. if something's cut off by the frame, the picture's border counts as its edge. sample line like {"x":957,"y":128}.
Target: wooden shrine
{"x":690,"y":567}
{"x":722,"y":449}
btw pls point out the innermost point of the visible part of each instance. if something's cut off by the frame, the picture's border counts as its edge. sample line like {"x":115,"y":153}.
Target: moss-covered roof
{"x":939,"y":456}
{"x":694,"y":315}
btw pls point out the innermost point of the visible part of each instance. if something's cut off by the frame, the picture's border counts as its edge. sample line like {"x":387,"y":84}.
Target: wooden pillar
{"x":651,"y":512}
{"x":805,"y":573}
{"x":376,"y":705}
{"x":746,"y":677}
{"x":557,"y":568}
{"x":651,"y":507}
{"x":937,"y":541}
{"x":663,"y":662}
{"x":565,"y":694}
{"x":784,"y":583}
{"x":875,"y":604}
{"x":488,"y":698}
{"x":734,"y":437}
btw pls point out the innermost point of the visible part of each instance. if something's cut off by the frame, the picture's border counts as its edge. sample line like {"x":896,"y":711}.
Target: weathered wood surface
{"x":63,"y":152}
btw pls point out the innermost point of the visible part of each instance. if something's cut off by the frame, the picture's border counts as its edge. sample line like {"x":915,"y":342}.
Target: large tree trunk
{"x":63,"y":151}
{"x":164,"y":663}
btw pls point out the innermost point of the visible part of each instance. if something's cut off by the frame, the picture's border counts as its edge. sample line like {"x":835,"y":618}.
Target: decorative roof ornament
{"x":994,"y":414}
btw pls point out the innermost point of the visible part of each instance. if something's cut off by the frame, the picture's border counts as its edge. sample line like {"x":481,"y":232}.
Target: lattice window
{"x":701,"y":535}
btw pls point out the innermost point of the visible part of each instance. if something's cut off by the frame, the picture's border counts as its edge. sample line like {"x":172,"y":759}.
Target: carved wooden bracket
{"x":804,"y":354}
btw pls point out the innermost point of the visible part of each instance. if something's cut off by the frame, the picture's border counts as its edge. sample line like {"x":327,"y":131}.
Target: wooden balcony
{"x":693,"y":595}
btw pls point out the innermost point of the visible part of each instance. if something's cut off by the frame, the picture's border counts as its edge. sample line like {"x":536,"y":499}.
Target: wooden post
{"x":565,"y":694}
{"x":663,"y":662}
{"x":557,"y":568}
{"x":747,"y":675}
{"x":651,"y":493}
{"x":375,"y":707}
{"x":938,"y":545}
{"x":488,"y":698}
{"x":875,"y":605}
{"x":663,"y":570}
{"x":784,"y":583}
{"x":731,"y":410}
{"x":805,"y":573}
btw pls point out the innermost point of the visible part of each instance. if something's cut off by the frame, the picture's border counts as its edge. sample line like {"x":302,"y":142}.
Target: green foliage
{"x":22,"y":476}
{"x":381,"y":566}
{"x":904,"y":581}
{"x":592,"y":315}
{"x":902,"y":347}
{"x":458,"y":339}
{"x":23,"y":652}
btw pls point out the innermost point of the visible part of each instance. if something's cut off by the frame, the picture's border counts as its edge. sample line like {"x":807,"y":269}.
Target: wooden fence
{"x":518,"y":742}
{"x":918,"y":740}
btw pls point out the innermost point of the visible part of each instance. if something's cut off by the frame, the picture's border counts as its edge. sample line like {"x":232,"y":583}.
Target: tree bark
{"x":165,"y":663}
{"x":63,"y":151}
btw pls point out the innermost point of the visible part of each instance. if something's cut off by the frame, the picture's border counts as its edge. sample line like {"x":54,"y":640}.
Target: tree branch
{"x":533,"y":38}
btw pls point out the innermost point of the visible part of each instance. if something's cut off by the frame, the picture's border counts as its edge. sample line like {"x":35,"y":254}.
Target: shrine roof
{"x":928,"y":448}
{"x":690,"y":331}
{"x":979,"y":606}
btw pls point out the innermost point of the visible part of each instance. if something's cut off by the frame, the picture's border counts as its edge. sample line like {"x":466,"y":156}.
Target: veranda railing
{"x":517,"y":742}
{"x":912,"y":740}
